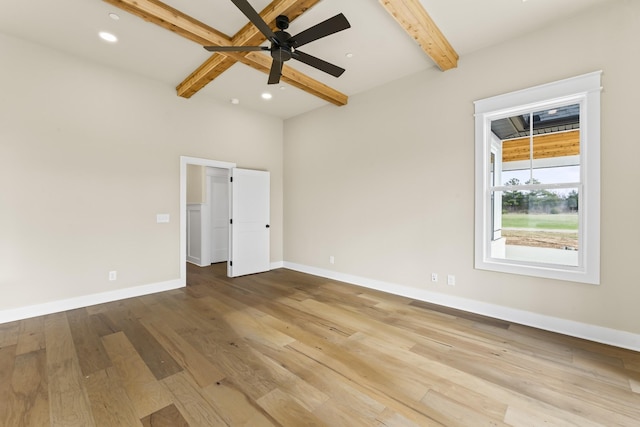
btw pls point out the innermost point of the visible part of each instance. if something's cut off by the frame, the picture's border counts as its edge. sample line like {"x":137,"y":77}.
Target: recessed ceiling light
{"x":235,"y":101}
{"x":266,"y":95}
{"x":349,"y":55}
{"x":108,"y":37}
{"x":114,"y":16}
{"x":283,"y":87}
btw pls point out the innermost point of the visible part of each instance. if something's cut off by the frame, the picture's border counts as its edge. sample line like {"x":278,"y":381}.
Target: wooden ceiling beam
{"x":249,"y":35}
{"x":415,"y":20}
{"x":172,"y":19}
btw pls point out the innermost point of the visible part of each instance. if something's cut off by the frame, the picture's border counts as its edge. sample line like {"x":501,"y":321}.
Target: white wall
{"x":88,"y":156}
{"x":386,"y":183}
{"x":195,"y":184}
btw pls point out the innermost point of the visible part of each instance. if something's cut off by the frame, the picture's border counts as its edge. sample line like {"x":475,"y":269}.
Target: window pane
{"x":557,"y":119}
{"x":556,"y":142}
{"x":539,"y":226}
{"x":508,"y":128}
{"x":536,"y":145}
{"x":547,"y":175}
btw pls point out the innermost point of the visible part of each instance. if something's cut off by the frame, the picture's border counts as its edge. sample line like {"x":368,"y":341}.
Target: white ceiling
{"x":382,"y":51}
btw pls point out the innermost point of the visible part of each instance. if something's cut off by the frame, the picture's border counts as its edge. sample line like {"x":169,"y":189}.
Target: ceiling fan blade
{"x":318,"y":63}
{"x":318,"y":31}
{"x":275,"y":72}
{"x":255,"y":18}
{"x":235,"y":48}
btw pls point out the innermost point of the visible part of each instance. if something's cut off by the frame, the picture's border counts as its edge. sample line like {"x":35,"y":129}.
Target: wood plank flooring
{"x":289,"y":349}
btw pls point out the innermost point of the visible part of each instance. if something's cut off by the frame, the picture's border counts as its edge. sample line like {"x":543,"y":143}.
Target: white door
{"x":249,"y":221}
{"x":218,"y":186}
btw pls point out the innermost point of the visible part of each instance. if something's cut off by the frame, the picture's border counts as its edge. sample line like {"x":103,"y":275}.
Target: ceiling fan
{"x":284,"y":46}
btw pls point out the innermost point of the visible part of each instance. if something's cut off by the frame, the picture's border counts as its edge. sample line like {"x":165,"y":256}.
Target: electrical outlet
{"x":434,"y":277}
{"x":332,"y":260}
{"x":113,"y":275}
{"x":451,"y":280}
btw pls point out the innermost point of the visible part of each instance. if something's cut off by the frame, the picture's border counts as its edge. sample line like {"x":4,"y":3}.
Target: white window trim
{"x":586,"y":90}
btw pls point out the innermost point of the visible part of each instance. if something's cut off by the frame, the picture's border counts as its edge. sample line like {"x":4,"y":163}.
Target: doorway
{"x":247,"y":199}
{"x":184,"y":162}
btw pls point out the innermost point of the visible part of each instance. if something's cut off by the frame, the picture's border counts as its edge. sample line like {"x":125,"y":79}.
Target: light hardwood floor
{"x":285,"y":348}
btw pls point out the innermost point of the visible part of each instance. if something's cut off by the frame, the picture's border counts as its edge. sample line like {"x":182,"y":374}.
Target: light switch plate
{"x":162,"y":218}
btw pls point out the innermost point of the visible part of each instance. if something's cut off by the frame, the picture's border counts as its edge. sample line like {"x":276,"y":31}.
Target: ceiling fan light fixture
{"x":107,"y":37}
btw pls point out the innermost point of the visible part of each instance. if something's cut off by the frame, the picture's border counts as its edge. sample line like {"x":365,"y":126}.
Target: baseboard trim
{"x":20,"y":313}
{"x":572,"y":328}
{"x":197,"y":263}
{"x":277,"y":264}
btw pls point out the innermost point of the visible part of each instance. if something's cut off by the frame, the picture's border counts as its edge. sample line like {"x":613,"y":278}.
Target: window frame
{"x":585,"y":90}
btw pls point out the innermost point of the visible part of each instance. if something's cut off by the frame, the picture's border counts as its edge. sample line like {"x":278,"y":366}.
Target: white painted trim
{"x":27,"y":312}
{"x":584,"y":90}
{"x":572,"y":328}
{"x":277,"y":264}
{"x":522,"y":98}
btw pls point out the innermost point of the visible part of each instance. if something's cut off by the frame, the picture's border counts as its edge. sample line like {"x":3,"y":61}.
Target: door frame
{"x":184,"y":161}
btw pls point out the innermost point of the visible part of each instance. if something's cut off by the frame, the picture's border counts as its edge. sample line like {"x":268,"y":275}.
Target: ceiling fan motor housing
{"x":281,"y":50}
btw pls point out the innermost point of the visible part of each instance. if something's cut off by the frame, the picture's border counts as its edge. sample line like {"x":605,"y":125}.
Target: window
{"x":538,"y":181}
